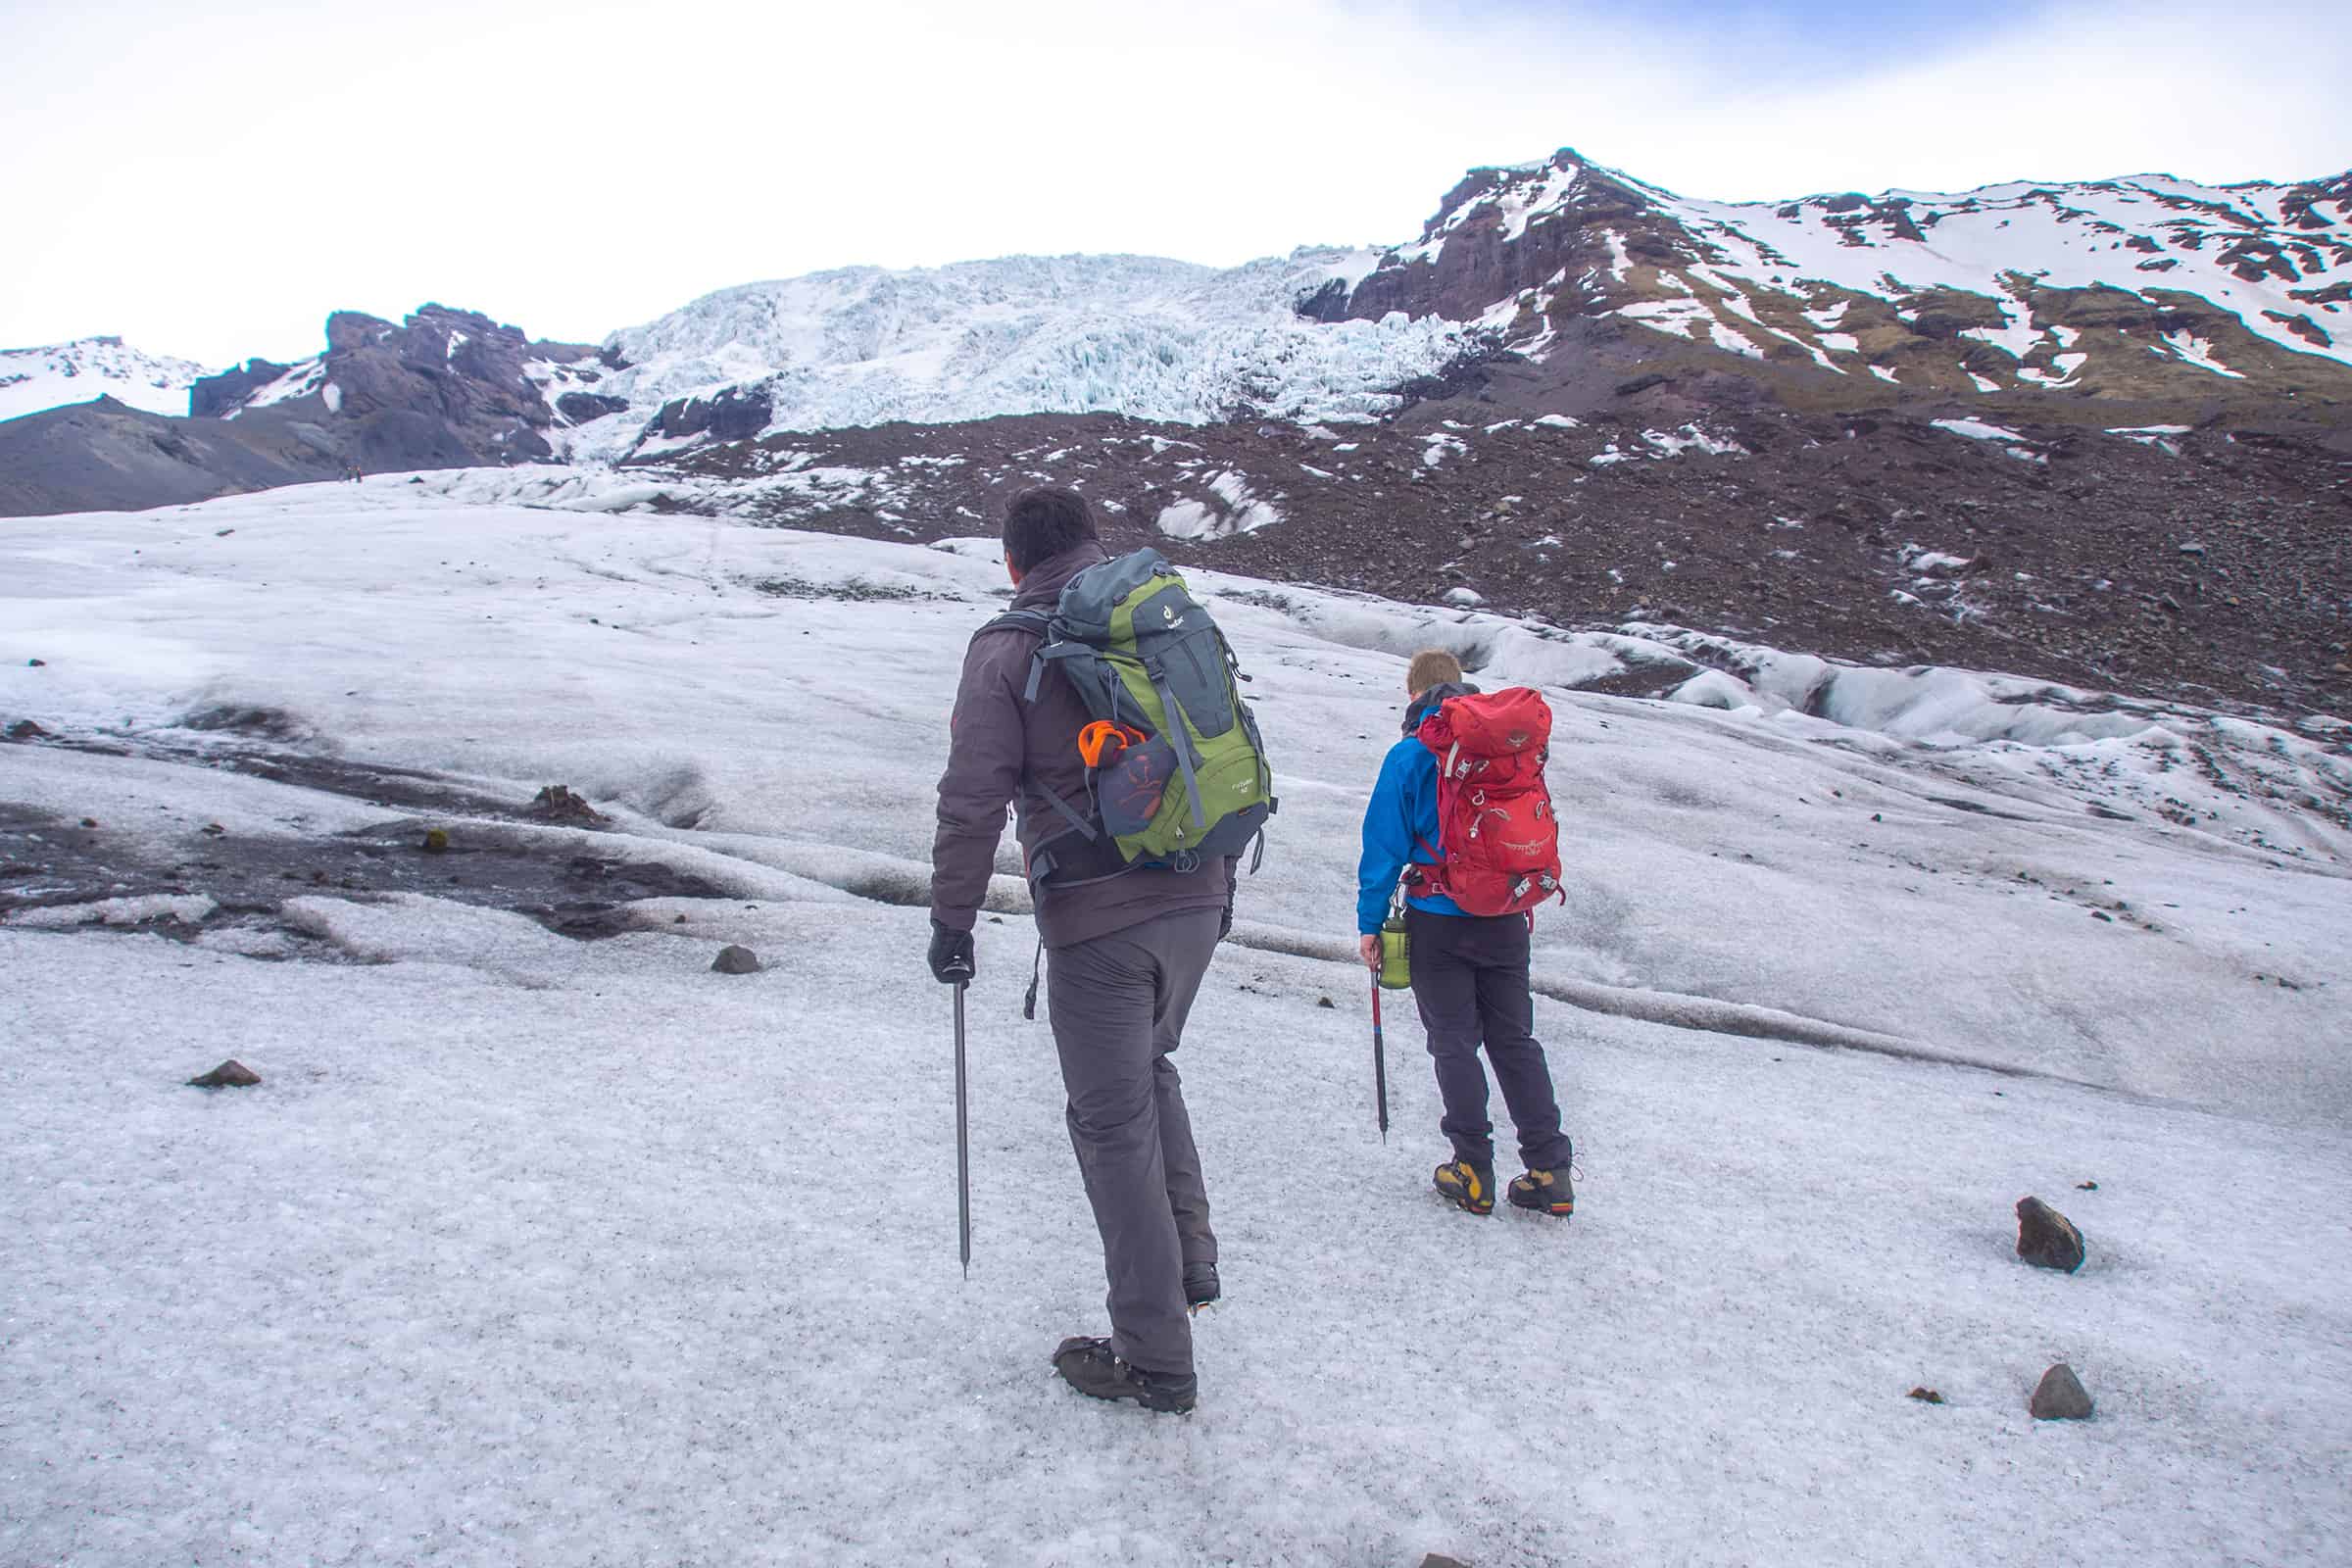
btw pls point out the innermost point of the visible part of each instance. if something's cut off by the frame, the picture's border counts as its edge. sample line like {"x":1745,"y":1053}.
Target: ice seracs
{"x":1145,"y":337}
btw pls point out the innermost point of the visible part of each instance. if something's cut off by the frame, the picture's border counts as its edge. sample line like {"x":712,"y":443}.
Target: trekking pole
{"x":1380,"y":1061}
{"x":964,"y":1145}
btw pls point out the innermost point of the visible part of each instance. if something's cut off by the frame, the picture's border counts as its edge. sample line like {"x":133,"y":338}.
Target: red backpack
{"x":1500,"y":844}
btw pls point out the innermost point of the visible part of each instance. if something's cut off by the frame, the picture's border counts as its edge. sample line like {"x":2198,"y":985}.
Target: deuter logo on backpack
{"x":1499,"y":842}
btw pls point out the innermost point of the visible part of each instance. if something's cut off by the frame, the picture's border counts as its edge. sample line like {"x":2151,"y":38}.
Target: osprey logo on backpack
{"x":1498,"y":845}
{"x":1142,"y":654}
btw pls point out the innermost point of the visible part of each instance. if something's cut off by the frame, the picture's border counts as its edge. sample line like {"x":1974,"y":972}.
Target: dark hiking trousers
{"x":1470,"y":979}
{"x":1118,"y":1005}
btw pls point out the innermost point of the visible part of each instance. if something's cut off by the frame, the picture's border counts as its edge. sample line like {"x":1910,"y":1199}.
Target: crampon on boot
{"x":1466,"y":1186}
{"x":1090,"y":1365}
{"x":1545,"y":1192}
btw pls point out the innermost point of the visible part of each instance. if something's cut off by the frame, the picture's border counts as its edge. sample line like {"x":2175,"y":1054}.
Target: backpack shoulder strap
{"x":1035,"y":622}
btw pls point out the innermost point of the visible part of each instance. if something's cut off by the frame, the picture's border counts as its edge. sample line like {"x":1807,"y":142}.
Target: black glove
{"x":952,"y":962}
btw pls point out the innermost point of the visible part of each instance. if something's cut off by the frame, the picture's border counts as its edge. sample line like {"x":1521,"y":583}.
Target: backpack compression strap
{"x":1039,"y":624}
{"x":1181,"y":743}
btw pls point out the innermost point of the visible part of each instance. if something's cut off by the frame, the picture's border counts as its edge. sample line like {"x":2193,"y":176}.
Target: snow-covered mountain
{"x":2118,"y":286}
{"x":88,"y":367}
{"x":1153,"y":338}
{"x":2151,"y":289}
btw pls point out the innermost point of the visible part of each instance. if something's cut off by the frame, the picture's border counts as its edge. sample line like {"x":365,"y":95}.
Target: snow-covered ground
{"x":89,"y":368}
{"x":530,"y":1249}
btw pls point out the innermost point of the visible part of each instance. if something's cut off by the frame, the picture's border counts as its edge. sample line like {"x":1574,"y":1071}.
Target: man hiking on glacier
{"x":1102,"y":706}
{"x":1470,"y":970}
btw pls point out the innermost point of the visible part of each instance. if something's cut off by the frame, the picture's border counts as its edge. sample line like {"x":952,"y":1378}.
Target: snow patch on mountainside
{"x":90,"y":367}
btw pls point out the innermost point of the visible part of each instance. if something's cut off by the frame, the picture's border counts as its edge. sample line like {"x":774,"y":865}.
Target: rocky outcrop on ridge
{"x":442,"y":388}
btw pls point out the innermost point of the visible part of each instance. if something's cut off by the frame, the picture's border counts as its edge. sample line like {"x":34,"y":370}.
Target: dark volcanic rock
{"x":1326,"y":304}
{"x":556,"y":804}
{"x":451,"y":382}
{"x":444,"y":388}
{"x":581,"y":407}
{"x":106,"y":456}
{"x":24,"y":729}
{"x":2060,"y":1397}
{"x":2046,"y":1238}
{"x":737,"y":413}
{"x":212,"y":396}
{"x":733,"y":959}
{"x":231,"y":1074}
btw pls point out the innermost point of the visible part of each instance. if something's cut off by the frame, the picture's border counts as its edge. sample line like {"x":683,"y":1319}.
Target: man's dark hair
{"x":1043,"y":522}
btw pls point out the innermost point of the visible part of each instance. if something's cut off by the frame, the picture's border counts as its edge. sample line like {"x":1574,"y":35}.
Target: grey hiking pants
{"x":1118,"y":1005}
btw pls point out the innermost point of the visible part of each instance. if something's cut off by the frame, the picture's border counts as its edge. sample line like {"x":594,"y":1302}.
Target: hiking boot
{"x":1545,"y":1192}
{"x":1089,"y":1366}
{"x":1466,"y":1186}
{"x":1201,"y":1285}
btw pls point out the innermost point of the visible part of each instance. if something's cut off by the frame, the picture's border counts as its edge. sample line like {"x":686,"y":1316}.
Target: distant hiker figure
{"x":1135,"y":779}
{"x":1496,"y":852}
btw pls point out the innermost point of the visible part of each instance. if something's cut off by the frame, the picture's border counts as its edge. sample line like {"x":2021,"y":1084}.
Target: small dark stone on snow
{"x":2060,"y":1397}
{"x":24,"y":729}
{"x":231,"y":1074}
{"x":213,"y":830}
{"x":2046,"y":1238}
{"x":35,"y":663}
{"x":1439,"y":1560}
{"x":1325,"y":1002}
{"x":89,"y":821}
{"x":733,"y":959}
{"x":556,"y":803}
{"x":2087,"y":1187}
{"x":1926,"y":1396}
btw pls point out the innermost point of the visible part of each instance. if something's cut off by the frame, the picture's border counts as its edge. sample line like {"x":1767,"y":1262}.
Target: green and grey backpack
{"x":1177,"y":776}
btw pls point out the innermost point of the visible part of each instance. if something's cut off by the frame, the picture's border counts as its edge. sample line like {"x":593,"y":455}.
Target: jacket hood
{"x":1421,"y":707}
{"x":1041,"y":585}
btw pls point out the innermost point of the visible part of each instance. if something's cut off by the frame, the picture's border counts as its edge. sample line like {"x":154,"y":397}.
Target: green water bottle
{"x":1396,"y":957}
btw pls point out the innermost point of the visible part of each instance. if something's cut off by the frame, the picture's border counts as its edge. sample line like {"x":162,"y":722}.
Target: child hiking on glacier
{"x":1102,"y":706}
{"x":1470,"y":969}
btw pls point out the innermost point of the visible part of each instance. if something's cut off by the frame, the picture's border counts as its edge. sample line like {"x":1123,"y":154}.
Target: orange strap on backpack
{"x":1101,"y":742}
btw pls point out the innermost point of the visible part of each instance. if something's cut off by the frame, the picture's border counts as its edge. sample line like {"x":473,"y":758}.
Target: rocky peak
{"x":2174,"y":299}
{"x":442,"y":385}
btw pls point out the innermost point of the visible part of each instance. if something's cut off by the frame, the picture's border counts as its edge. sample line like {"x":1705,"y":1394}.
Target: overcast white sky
{"x":212,"y":186}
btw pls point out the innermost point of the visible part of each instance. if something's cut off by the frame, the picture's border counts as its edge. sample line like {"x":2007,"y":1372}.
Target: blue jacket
{"x":1401,"y":818}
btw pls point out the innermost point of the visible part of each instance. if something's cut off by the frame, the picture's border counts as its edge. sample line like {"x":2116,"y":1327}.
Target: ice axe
{"x":963,"y":1137}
